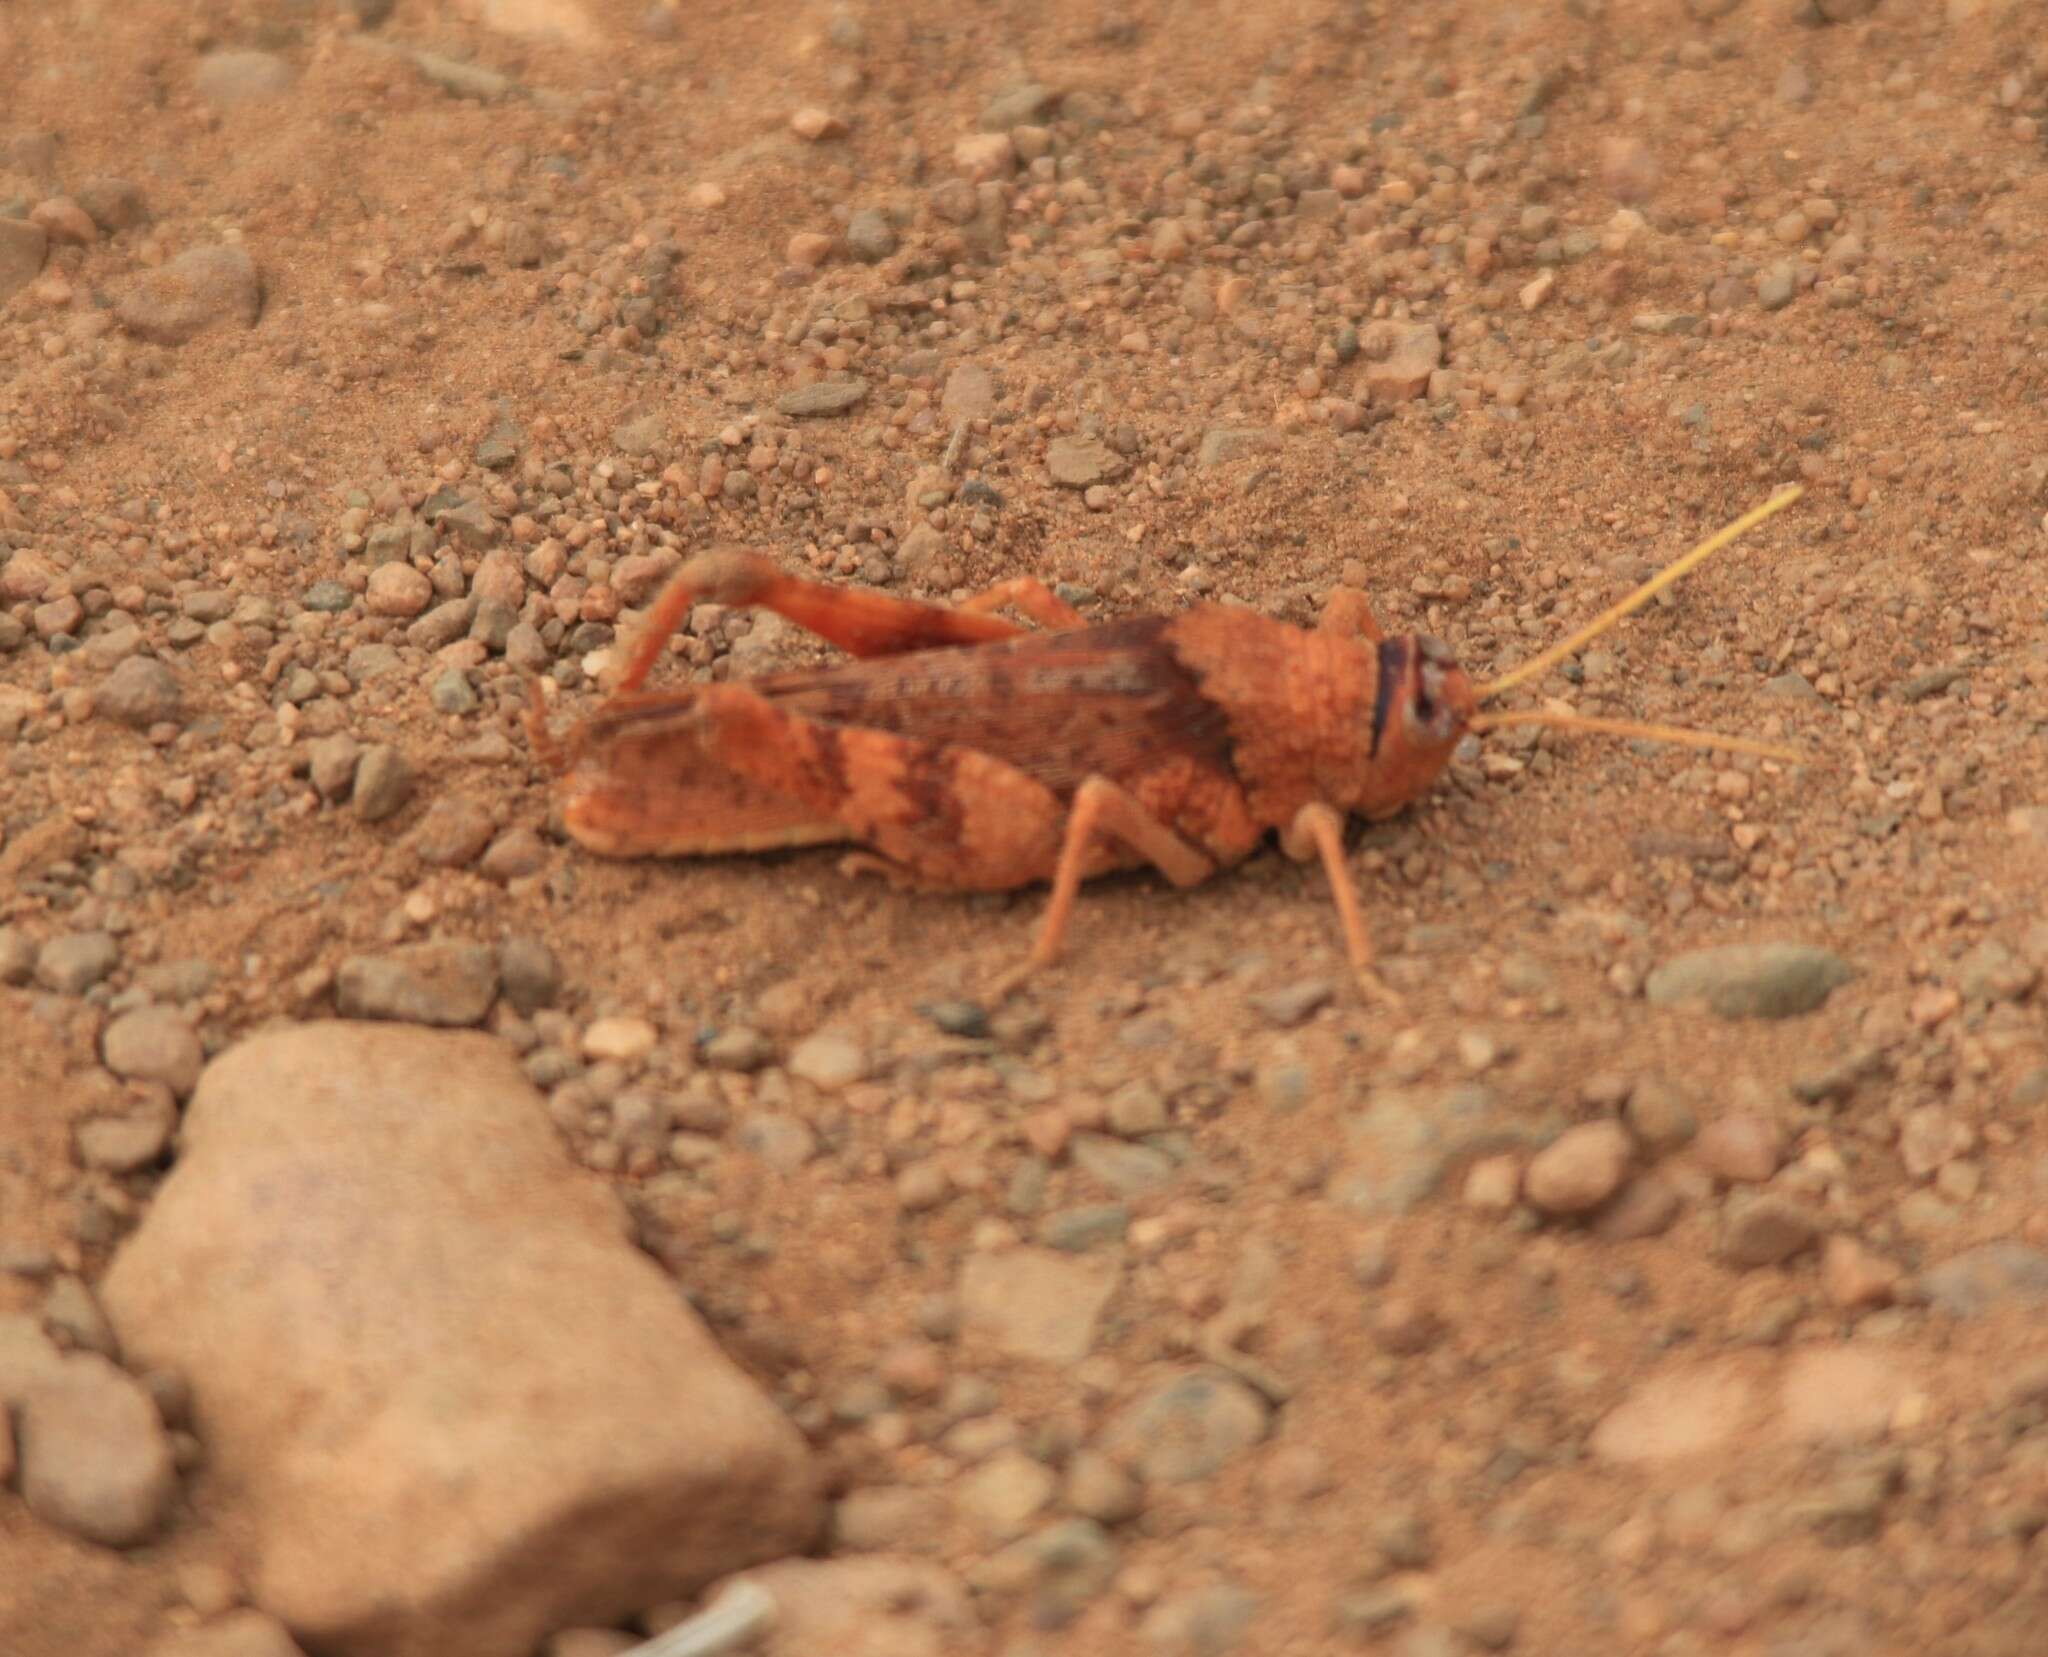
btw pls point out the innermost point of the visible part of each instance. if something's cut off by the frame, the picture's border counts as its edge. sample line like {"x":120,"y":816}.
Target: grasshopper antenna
{"x":1670,"y":574}
{"x":1564,"y":719}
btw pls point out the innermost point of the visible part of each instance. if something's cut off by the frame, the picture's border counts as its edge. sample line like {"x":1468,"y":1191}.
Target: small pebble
{"x":1580,"y":1170}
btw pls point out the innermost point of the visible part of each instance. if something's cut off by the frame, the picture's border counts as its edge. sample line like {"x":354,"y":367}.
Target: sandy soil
{"x":1678,"y":256}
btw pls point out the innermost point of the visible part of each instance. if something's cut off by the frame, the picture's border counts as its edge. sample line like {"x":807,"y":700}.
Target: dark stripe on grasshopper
{"x":1393,"y":669}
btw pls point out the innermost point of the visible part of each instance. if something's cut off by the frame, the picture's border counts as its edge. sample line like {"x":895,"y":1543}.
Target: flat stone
{"x":431,"y":983}
{"x":970,"y":392}
{"x":1982,"y":1279}
{"x":1775,"y":980}
{"x":1078,"y":462}
{"x":423,"y":1355}
{"x":825,"y":397}
{"x":1689,"y":1411}
{"x":1222,"y":444}
{"x":194,"y":292}
{"x":1413,"y":352}
{"x":1842,"y":1394}
{"x":1039,"y":1304}
{"x":95,"y":1459}
{"x":1293,"y":1004}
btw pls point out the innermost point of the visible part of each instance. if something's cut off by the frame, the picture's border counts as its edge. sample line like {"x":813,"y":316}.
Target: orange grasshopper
{"x":962,"y":752}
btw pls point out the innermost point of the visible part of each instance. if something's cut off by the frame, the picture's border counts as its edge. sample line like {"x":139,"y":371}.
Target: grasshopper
{"x":960,"y":751}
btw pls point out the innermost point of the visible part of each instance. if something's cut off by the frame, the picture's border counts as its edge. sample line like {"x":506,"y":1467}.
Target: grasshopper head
{"x":1422,"y":706}
{"x":1436,"y":701}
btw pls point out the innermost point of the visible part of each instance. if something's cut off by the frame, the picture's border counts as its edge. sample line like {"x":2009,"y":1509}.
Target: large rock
{"x":452,"y":1404}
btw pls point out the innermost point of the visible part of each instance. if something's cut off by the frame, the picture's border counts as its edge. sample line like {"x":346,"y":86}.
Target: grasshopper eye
{"x":1430,"y":718}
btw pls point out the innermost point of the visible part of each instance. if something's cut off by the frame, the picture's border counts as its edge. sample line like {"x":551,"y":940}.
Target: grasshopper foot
{"x":1377,"y":991}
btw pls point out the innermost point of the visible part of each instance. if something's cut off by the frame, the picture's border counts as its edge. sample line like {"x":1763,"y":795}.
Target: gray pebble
{"x":95,"y":1459}
{"x":1776,"y":286}
{"x":114,"y":204}
{"x":1191,"y":1427}
{"x":135,"y":1140}
{"x":870,"y":235}
{"x":1293,"y":1003}
{"x":1077,"y":1230}
{"x":327,"y":598}
{"x":1764,"y":1230}
{"x":452,"y":693}
{"x":1128,"y":1170}
{"x":72,"y":962}
{"x":524,"y":648}
{"x":738,"y":1048}
{"x":785,"y":1143}
{"x":1208,"y":1622}
{"x":1981,"y":1279}
{"x":1774,"y":980}
{"x":154,"y":1044}
{"x":530,"y":975}
{"x":141,"y":692}
{"x":331,"y":766}
{"x":443,"y":984}
{"x":383,"y":783}
{"x":453,"y":834}
{"x":823,"y":398}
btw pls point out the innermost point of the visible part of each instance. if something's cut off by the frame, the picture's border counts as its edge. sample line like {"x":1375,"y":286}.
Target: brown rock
{"x":192,"y":293}
{"x":1684,"y":1412}
{"x":1842,"y":1394}
{"x":114,"y":203}
{"x":453,"y":834}
{"x":95,"y":1459}
{"x":437,"y":1361}
{"x":1645,"y":1207}
{"x":1412,"y":352}
{"x":1853,"y":1277}
{"x":1765,"y":1230}
{"x":63,"y":220}
{"x":154,"y":1044}
{"x":1744,"y":1149}
{"x":1580,"y":1170}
